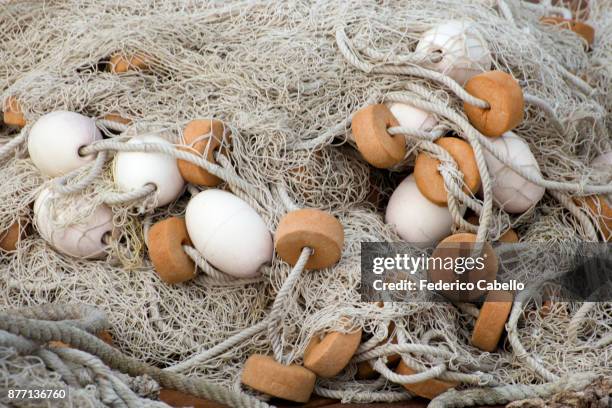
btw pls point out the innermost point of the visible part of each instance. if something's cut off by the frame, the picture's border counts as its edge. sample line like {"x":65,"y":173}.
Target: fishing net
{"x":286,"y":77}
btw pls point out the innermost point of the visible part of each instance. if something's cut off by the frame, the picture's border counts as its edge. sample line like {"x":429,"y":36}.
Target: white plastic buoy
{"x":416,"y":219}
{"x":83,"y":239}
{"x":55,"y":140}
{"x":134,"y":170}
{"x":512,"y":192}
{"x":456,"y":50}
{"x":228,"y":233}
{"x":411,"y":117}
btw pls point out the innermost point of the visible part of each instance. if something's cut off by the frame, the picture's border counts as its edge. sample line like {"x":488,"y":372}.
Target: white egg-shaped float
{"x":134,"y":170}
{"x":456,"y":49}
{"x":55,"y":139}
{"x":228,"y":233}
{"x":511,"y":191}
{"x":84,"y":238}
{"x":416,"y":219}
{"x":411,"y":117}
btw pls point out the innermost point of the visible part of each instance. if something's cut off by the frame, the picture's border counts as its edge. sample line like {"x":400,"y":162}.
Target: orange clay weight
{"x":509,"y":237}
{"x":427,"y":389}
{"x":310,"y":228}
{"x":114,"y":117}
{"x":12,"y":112}
{"x":428,"y":178}
{"x":505,"y":98}
{"x":492,"y":320}
{"x":584,"y":30}
{"x":120,"y":63}
{"x":290,"y":382}
{"x":10,"y":237}
{"x":328,"y":356}
{"x":166,"y":240}
{"x":376,"y":145}
{"x":205,"y":137}
{"x":598,"y":205}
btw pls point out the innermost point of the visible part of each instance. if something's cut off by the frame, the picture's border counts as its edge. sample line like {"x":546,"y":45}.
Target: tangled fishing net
{"x":286,"y":78}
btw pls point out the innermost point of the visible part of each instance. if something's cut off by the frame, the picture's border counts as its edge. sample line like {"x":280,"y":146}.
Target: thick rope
{"x":416,"y":58}
{"x":378,"y":363}
{"x":55,"y":363}
{"x":389,"y":349}
{"x":21,"y":345}
{"x":477,"y":378}
{"x":508,"y":393}
{"x":418,"y":134}
{"x":8,"y":147}
{"x":139,"y":194}
{"x":517,"y":348}
{"x":287,"y":202}
{"x":275,"y":318}
{"x":576,"y":81}
{"x":82,"y":316}
{"x":253,"y":196}
{"x":362,"y":396}
{"x":326,"y":136}
{"x":173,"y":151}
{"x":433,"y":372}
{"x":61,"y":183}
{"x":45,"y":331}
{"x":207,"y":268}
{"x":115,"y":390}
{"x":213,"y":272}
{"x":380,"y":334}
{"x":228,"y":343}
{"x":578,"y":319}
{"x":547,"y":109}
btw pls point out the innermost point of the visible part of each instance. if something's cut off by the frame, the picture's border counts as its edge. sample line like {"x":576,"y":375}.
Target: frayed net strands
{"x":286,"y":79}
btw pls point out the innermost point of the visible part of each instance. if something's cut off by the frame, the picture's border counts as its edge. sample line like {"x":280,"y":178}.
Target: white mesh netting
{"x":273,"y":73}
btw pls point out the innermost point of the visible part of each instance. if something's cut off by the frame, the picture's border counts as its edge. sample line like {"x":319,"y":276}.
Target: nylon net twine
{"x":285,"y":78}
